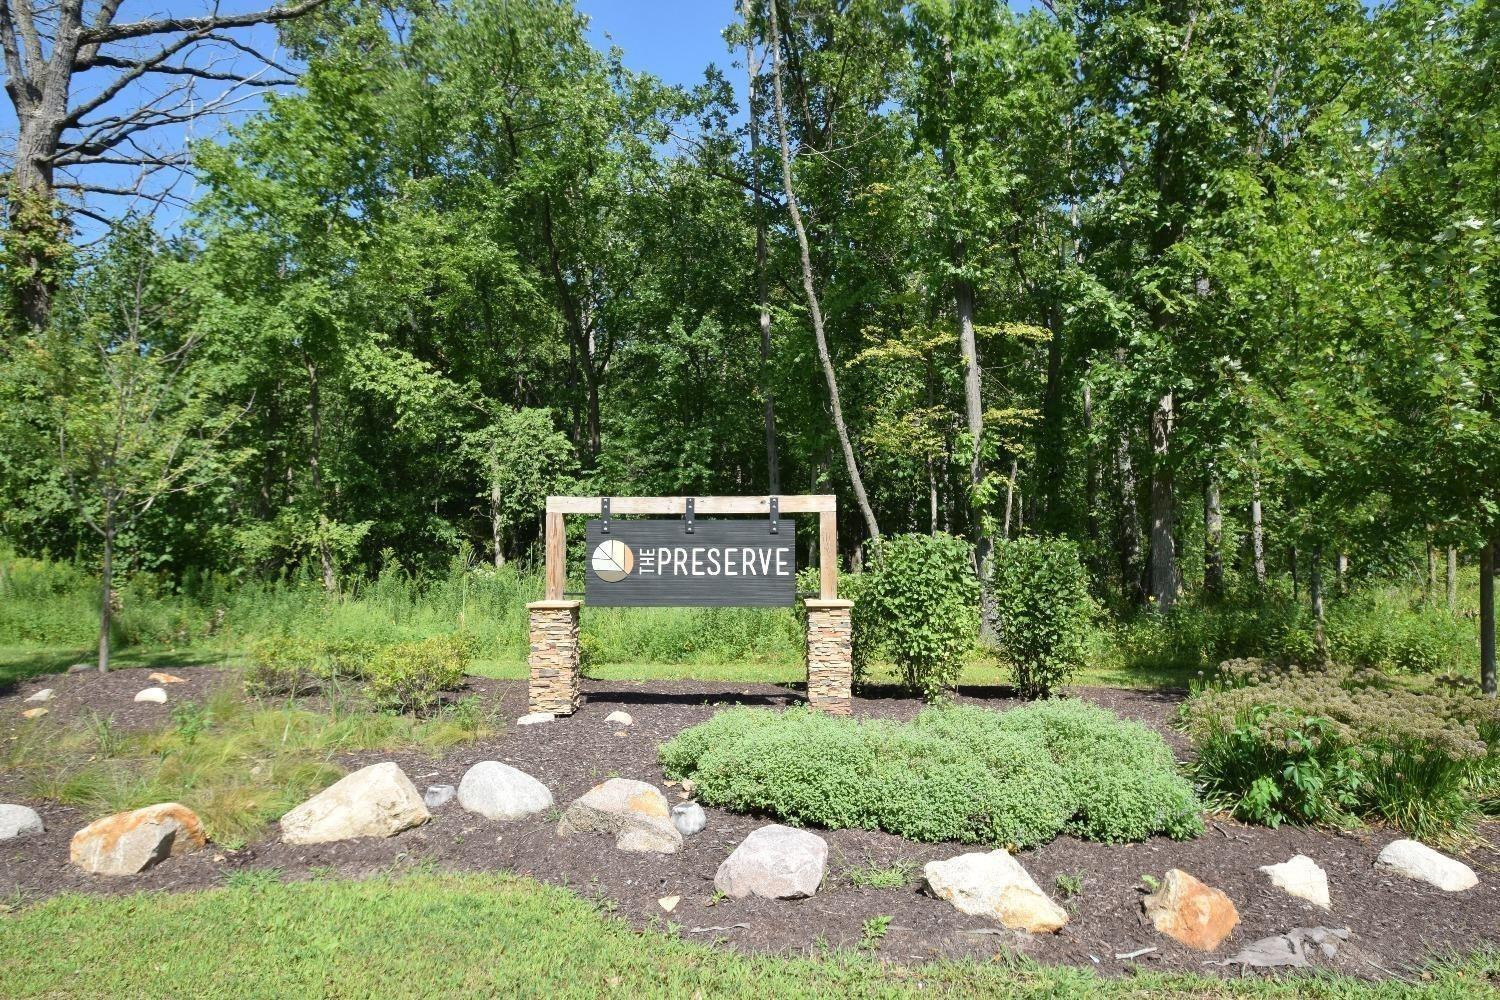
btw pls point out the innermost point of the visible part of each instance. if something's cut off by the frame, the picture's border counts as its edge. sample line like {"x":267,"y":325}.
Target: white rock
{"x":19,"y":821}
{"x":375,"y":801}
{"x":1418,"y":861}
{"x":499,"y":791}
{"x":620,"y":718}
{"x":1301,"y":877}
{"x":155,"y":695}
{"x":635,"y":812}
{"x":995,"y":885}
{"x":437,"y":796}
{"x":45,"y":694}
{"x":689,"y":818}
{"x":534,"y":718}
{"x":774,"y":862}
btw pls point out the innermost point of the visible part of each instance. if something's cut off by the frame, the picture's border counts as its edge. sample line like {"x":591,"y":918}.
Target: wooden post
{"x":828,"y":555}
{"x":557,"y":556}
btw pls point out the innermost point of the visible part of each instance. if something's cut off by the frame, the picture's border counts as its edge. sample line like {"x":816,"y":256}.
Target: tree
{"x":47,"y":50}
{"x":133,"y":408}
{"x":524,"y":459}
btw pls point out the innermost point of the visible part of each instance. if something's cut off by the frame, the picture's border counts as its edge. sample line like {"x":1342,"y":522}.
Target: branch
{"x":134,"y":71}
{"x":162,"y":26}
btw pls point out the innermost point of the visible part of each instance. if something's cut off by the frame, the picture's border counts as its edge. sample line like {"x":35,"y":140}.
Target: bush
{"x":920,"y":604}
{"x":412,"y":676}
{"x":283,"y":665}
{"x":1043,"y":606}
{"x":1285,"y":744}
{"x":960,"y":773}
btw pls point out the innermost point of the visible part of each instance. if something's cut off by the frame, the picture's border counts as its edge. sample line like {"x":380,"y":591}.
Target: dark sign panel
{"x":720,"y":564}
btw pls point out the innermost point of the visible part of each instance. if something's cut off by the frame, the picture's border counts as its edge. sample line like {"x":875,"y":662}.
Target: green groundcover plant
{"x":1015,"y":779}
{"x":1288,"y":744}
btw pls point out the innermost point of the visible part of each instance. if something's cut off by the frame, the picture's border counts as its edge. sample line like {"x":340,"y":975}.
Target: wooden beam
{"x":810,"y":504}
{"x":828,"y":555}
{"x":557,"y":556}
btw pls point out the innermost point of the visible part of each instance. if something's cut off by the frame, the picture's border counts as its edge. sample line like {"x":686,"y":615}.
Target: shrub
{"x":283,"y":665}
{"x":1286,"y":744}
{"x":956,"y":773}
{"x":1043,"y":606}
{"x":412,"y":676}
{"x":920,"y":603}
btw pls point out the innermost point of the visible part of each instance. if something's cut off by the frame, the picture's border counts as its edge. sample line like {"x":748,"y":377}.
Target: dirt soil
{"x":1395,"y":923}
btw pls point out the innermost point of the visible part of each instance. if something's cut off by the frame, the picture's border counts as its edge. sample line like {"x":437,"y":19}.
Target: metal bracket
{"x":687,"y":515}
{"x":604,"y":515}
{"x":775,"y":515}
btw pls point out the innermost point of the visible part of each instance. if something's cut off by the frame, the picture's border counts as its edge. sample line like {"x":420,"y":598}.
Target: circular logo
{"x":612,"y":560}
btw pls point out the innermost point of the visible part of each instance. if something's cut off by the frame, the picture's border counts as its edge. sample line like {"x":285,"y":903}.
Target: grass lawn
{"x":428,"y":935}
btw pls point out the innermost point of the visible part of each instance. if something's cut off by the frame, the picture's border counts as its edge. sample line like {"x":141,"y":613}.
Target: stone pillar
{"x":830,"y":656}
{"x":554,"y":657}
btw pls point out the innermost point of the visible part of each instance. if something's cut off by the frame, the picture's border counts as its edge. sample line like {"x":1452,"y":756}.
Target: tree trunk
{"x":315,"y":467}
{"x":1487,"y":559}
{"x":814,"y":309}
{"x":1315,"y":594}
{"x":1430,"y":583}
{"x":1091,"y":468}
{"x":1165,"y":582}
{"x":1050,"y":470}
{"x":1452,"y":579}
{"x":1010,"y":494}
{"x":497,"y":511}
{"x":106,"y":586}
{"x":1296,"y":581}
{"x":1257,"y":528}
{"x":1213,"y":537}
{"x":763,"y":298}
{"x":932,"y":498}
{"x":1341,"y":574}
{"x":1129,"y":527}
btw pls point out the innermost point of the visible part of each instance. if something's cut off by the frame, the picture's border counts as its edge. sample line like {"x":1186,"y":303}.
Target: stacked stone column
{"x":554,"y":657}
{"x":830,"y":656}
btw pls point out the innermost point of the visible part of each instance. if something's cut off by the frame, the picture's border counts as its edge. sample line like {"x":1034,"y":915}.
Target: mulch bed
{"x":1396,"y":923}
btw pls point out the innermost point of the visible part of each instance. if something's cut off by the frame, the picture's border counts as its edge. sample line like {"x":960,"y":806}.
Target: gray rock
{"x":131,"y":842}
{"x":438,"y":795}
{"x":635,"y":812}
{"x":620,"y":718}
{"x":1289,"y":950}
{"x":1420,"y":862}
{"x":689,"y":818}
{"x":774,"y":862}
{"x":45,"y":694}
{"x":19,"y":821}
{"x":79,"y":668}
{"x":499,"y":791}
{"x":535,"y":718}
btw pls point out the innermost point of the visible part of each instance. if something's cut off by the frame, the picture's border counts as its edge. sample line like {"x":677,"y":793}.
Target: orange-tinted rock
{"x":131,"y":842}
{"x":1190,"y":912}
{"x":162,"y":678}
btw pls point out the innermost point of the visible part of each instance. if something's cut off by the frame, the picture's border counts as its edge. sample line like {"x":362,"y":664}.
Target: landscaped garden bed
{"x":872,"y":894}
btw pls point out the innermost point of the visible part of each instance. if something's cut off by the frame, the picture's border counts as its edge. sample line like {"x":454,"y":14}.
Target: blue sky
{"x":672,"y":39}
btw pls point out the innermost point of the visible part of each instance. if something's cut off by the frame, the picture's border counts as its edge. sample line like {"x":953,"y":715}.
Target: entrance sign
{"x":718,"y":564}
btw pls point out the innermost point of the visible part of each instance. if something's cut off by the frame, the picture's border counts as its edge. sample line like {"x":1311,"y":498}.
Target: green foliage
{"x":283,"y":665}
{"x":872,"y":876}
{"x":413,"y":676}
{"x":1321,"y":746}
{"x":920,"y":604}
{"x":965,"y":774}
{"x":1043,"y":609}
{"x":524,"y":459}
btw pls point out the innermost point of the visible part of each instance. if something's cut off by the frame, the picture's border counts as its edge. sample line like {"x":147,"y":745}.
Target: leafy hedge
{"x":960,"y":773}
{"x":920,"y":604}
{"x":1044,"y":610}
{"x":1287,"y":744}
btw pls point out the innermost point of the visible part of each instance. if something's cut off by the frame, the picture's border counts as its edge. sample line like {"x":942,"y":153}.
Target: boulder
{"x":19,"y":821}
{"x":635,"y":812}
{"x":499,"y":791}
{"x":33,"y":713}
{"x":45,"y":694}
{"x":1190,"y":912}
{"x":689,"y":818}
{"x":375,"y":801}
{"x":774,"y":862}
{"x":1418,"y":861}
{"x":994,"y":885}
{"x":155,"y":695}
{"x":437,"y":796}
{"x":534,"y":718}
{"x":79,"y":668}
{"x":131,"y":842}
{"x":620,"y":718}
{"x":1301,"y":877}
{"x":162,"y":678}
